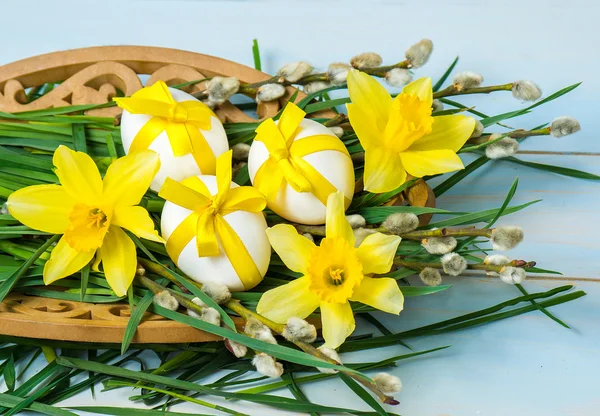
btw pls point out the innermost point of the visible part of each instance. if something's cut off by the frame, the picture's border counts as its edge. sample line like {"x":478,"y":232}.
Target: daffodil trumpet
{"x":333,"y":274}
{"x":400,"y":136}
{"x":91,"y":213}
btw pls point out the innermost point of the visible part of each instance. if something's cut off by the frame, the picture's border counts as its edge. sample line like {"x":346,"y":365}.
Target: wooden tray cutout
{"x":45,"y":318}
{"x":92,"y":76}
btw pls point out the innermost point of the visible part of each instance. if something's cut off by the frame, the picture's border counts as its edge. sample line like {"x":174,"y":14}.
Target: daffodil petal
{"x":364,"y":126}
{"x":336,"y":224}
{"x":119,"y":260}
{"x":383,"y":170}
{"x":128,"y":178}
{"x":448,"y":132}
{"x":338,"y":323}
{"x":421,"y":88}
{"x":377,"y":251}
{"x":294,"y":249}
{"x":138,"y":221}
{"x":431,"y":162}
{"x":64,"y":261}
{"x":370,"y":96}
{"x":291,"y":299}
{"x":42,"y":207}
{"x":78,"y":174}
{"x":381,"y":293}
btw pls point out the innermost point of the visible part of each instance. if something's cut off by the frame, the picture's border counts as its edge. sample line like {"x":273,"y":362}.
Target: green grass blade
{"x":444,"y":77}
{"x":130,"y":411}
{"x":7,"y":400}
{"x":9,"y":283}
{"x":79,"y":141}
{"x":360,"y":392}
{"x":256,"y":55}
{"x":459,"y":176}
{"x":488,"y":121}
{"x":573,"y":173}
{"x":135,"y":319}
{"x":274,"y":401}
{"x":509,"y":197}
{"x":9,"y":373}
{"x":443,"y":326}
{"x":542,"y":309}
{"x":85,"y":277}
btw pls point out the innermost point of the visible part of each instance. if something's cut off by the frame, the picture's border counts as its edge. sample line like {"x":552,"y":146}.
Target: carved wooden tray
{"x":93,"y":76}
{"x":44,"y":318}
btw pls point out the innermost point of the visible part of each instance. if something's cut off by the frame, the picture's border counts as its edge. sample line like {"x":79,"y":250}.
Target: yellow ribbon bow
{"x":181,"y":121}
{"x":286,"y":163}
{"x":206,"y":222}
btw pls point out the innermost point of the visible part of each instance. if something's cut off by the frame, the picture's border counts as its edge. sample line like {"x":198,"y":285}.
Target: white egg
{"x":177,"y":168}
{"x":304,"y":207}
{"x":249,"y":226}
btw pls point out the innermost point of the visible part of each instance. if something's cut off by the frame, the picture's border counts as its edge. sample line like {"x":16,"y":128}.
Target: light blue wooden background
{"x":524,"y":366}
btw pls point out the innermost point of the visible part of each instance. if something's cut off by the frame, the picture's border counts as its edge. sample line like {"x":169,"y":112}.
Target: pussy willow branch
{"x":515,"y":134}
{"x":246,"y":314}
{"x":480,"y":266}
{"x":251,"y":88}
{"x":456,"y":90}
{"x":319,"y":230}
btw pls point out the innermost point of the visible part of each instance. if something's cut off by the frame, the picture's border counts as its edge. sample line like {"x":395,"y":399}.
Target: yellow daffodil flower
{"x":334,"y":273}
{"x":400,"y":135}
{"x":90,"y":213}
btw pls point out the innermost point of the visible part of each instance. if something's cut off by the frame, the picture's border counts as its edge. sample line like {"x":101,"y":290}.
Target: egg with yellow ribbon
{"x":215,"y":229}
{"x":186,"y":133}
{"x":297,"y":163}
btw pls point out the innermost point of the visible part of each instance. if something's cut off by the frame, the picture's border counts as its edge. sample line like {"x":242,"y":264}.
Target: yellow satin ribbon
{"x":206,"y":222}
{"x":181,"y":121}
{"x":286,"y":163}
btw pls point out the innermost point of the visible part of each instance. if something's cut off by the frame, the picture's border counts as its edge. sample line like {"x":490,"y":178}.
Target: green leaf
{"x":468,"y":320}
{"x":313,"y":108}
{"x":573,"y":173}
{"x":135,"y":319}
{"x":542,"y":309}
{"x":9,"y":372}
{"x":8,"y":284}
{"x":256,"y":55}
{"x":507,"y":200}
{"x":85,"y":276}
{"x":360,"y":392}
{"x":275,"y":401}
{"x":409,"y":291}
{"x":363,"y":367}
{"x":488,"y":121}
{"x":130,"y":411}
{"x":79,"y":141}
{"x":459,"y":176}
{"x":476,"y":217}
{"x":7,"y":400}
{"x":444,"y":77}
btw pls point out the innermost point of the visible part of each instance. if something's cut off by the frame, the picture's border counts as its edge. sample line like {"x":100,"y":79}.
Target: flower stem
{"x":319,"y":230}
{"x":245,"y":314}
{"x":477,"y":266}
{"x":251,"y":88}
{"x":455,"y":90}
{"x":515,"y":134}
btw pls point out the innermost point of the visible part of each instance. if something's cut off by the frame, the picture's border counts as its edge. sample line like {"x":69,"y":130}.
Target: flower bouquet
{"x":268,"y":237}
